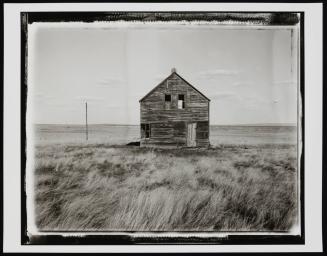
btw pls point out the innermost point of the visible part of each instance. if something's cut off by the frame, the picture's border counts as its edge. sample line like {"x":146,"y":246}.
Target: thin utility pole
{"x":87,"y":132}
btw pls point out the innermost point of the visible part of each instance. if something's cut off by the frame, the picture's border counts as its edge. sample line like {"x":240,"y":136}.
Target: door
{"x":191,"y":135}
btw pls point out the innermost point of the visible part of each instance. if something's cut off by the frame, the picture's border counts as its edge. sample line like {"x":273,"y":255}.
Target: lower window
{"x":146,"y":130}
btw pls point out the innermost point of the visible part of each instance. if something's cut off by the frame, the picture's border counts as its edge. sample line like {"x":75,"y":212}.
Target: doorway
{"x":191,"y":134}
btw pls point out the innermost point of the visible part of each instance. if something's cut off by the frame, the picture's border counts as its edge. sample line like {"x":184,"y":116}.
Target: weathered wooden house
{"x":174,"y":113}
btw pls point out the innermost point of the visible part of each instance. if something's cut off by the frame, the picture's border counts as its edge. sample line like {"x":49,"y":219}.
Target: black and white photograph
{"x":163,"y":127}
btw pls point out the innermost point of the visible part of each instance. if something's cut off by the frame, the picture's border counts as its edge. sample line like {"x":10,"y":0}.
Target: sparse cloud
{"x":42,"y":97}
{"x":215,"y":73}
{"x":109,"y":81}
{"x":60,"y":105}
{"x":243,"y":83}
{"x":39,"y":95}
{"x":284,"y":83}
{"x":89,"y":98}
{"x":255,"y":101}
{"x":113,"y":106}
{"x":222,"y":95}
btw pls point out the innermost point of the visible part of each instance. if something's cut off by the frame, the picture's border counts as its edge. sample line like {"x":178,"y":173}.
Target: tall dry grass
{"x":99,"y":187}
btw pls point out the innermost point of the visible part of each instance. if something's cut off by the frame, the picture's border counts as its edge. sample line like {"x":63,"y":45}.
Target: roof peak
{"x":180,"y":77}
{"x":173,"y":70}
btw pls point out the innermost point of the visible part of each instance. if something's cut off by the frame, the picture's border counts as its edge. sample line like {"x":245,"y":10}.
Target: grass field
{"x":228,"y":188}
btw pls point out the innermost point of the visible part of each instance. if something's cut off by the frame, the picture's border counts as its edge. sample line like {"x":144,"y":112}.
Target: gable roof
{"x":167,"y":79}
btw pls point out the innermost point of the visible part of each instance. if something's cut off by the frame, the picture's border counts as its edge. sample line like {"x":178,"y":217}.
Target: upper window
{"x":167,"y":101}
{"x":181,"y":101}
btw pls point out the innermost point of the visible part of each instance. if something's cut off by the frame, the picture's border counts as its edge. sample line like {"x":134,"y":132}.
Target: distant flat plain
{"x":123,"y":134}
{"x":247,"y":180}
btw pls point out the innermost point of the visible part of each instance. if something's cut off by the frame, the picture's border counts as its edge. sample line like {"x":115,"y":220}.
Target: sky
{"x":249,"y":74}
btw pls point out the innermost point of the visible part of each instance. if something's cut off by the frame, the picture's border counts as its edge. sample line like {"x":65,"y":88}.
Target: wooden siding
{"x":169,"y":133}
{"x":202,"y":134}
{"x":169,"y":126}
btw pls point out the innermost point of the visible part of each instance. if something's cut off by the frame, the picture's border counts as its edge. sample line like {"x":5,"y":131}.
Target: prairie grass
{"x":120,"y":188}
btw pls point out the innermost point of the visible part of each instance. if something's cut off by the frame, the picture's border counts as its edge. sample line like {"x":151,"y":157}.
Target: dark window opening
{"x":167,"y":101}
{"x":181,"y":101}
{"x":167,"y":97}
{"x":145,"y":130}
